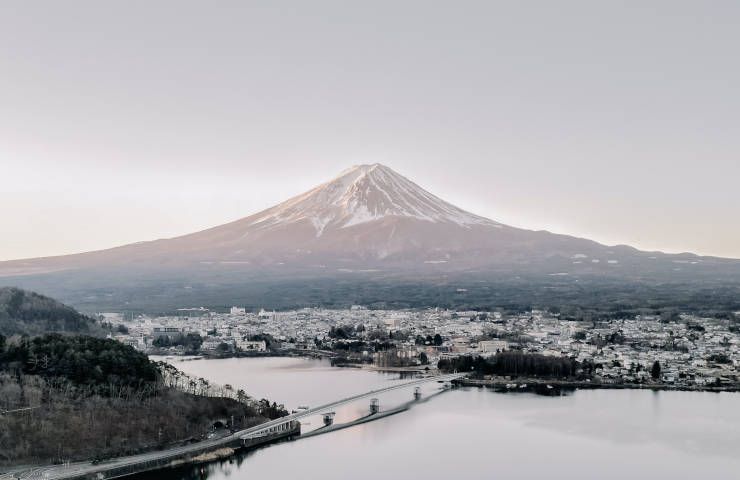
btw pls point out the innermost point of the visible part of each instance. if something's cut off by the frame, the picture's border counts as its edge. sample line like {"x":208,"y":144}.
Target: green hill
{"x":24,"y":312}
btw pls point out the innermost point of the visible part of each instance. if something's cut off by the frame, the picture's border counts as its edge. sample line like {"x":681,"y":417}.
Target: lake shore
{"x":538,"y":384}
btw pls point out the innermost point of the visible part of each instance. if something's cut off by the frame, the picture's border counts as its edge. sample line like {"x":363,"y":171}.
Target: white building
{"x":251,"y":346}
{"x":492,"y":346}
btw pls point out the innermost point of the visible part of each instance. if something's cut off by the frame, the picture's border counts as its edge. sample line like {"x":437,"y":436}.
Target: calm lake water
{"x":478,"y":434}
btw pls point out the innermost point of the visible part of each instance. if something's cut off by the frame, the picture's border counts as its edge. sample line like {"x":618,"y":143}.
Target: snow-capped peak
{"x":365,"y":193}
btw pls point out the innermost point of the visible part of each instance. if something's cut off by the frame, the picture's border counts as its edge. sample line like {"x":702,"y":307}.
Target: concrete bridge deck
{"x":368,"y":418}
{"x":275,"y":424}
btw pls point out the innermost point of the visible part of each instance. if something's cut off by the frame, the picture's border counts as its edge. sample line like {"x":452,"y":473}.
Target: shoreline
{"x":496,"y":383}
{"x":533,"y":384}
{"x":215,"y":356}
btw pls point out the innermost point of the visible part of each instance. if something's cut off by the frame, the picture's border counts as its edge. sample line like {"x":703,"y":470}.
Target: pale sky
{"x":135,"y":120}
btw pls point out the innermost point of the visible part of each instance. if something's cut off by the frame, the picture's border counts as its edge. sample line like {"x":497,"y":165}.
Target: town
{"x":673,"y":349}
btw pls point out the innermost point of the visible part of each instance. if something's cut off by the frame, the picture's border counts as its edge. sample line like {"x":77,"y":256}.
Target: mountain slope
{"x":367,"y":217}
{"x":370,"y":221}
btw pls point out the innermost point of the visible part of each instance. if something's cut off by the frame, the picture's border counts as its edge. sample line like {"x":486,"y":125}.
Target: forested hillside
{"x":83,"y":361}
{"x":24,"y":312}
{"x":66,"y":397}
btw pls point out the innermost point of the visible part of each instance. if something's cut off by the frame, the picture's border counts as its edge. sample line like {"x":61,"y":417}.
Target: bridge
{"x":161,"y":459}
{"x":285,"y":423}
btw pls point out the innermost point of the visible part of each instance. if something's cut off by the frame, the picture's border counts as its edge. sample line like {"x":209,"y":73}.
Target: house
{"x":492,"y":346}
{"x":160,"y":331}
{"x":251,"y":346}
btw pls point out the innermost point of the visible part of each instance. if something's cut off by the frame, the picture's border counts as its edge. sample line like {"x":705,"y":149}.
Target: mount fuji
{"x":368,"y":220}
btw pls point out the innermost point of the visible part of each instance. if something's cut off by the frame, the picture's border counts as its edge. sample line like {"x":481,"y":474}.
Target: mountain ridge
{"x":368,"y":215}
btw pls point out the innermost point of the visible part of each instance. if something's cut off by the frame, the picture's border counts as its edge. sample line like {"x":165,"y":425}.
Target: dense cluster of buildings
{"x":690,"y":350}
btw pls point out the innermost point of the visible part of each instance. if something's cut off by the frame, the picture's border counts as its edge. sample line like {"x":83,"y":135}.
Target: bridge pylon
{"x":329,"y":418}
{"x":374,"y":406}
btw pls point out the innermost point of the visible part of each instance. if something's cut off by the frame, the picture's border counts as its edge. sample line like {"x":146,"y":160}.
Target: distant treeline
{"x":24,"y":312}
{"x":576,"y":296}
{"x":513,"y":363}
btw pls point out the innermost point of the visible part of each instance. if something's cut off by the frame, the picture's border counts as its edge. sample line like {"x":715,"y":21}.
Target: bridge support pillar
{"x":374,"y":406}
{"x":328,"y":418}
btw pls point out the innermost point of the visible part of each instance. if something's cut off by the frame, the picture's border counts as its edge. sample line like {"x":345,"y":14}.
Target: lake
{"x":476,"y":433}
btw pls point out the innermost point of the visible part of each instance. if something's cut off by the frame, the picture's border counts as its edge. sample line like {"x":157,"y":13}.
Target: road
{"x":337,"y":403}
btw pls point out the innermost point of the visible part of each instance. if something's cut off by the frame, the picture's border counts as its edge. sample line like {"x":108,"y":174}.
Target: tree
{"x":423,"y":358}
{"x":191,"y":341}
{"x":271,"y":411}
{"x":438,"y":339}
{"x":655,"y":371}
{"x":513,"y":363}
{"x":241,"y":396}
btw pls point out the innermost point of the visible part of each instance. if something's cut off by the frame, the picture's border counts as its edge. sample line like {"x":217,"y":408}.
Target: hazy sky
{"x":128,"y":121}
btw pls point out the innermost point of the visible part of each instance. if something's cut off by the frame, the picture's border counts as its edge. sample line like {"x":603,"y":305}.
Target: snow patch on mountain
{"x":363,"y":194}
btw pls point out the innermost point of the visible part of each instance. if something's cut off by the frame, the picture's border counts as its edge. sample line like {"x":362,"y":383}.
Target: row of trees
{"x":190,"y":341}
{"x":514,"y":363}
{"x":429,"y":340}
